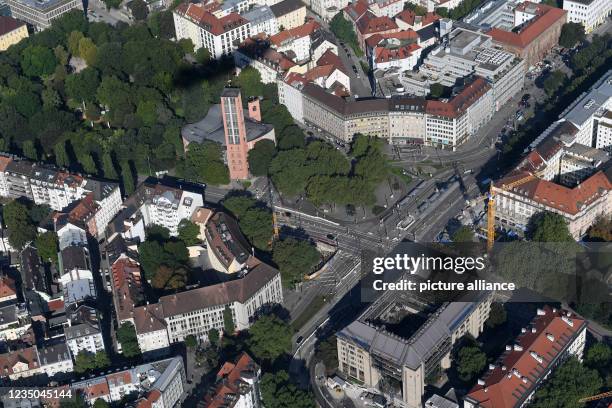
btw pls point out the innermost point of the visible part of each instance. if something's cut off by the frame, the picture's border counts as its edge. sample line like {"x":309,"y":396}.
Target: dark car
{"x":525,"y":98}
{"x":330,"y":236}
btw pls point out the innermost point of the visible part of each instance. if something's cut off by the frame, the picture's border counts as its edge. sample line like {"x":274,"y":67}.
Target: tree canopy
{"x":126,"y":336}
{"x":269,"y":338}
{"x":470,"y":362}
{"x":277,"y":391}
{"x":571,"y":34}
{"x":47,"y":246}
{"x":295,"y":258}
{"x":19,"y":224}
{"x":549,"y":227}
{"x":254,"y":219}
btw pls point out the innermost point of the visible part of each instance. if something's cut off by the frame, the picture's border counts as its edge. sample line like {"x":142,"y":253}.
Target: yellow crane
{"x":596,"y":397}
{"x":491,"y":206}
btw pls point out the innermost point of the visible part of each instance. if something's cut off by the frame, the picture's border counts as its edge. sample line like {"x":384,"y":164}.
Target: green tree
{"x":549,"y":227}
{"x":570,"y":382}
{"x":497,"y":315}
{"x":188,"y":232}
{"x":601,"y":230}
{"x":88,"y":51}
{"x":228,"y":322}
{"x":249,"y":82}
{"x":19,"y":225}
{"x":269,"y":338}
{"x":327,"y":352}
{"x":29,"y":150}
{"x":84,"y":361}
{"x":463,"y":234}
{"x":204,"y":163}
{"x":47,"y":246}
{"x":126,"y":336}
{"x":213,"y":337}
{"x":470,"y":362}
{"x":73,"y":42}
{"x":260,"y":157}
{"x":571,"y":34}
{"x":101,"y":359}
{"x":599,"y":357}
{"x":109,"y":167}
{"x":51,"y":98}
{"x":61,"y":155}
{"x":191,"y":341}
{"x":277,"y":391}
{"x":169,"y":277}
{"x":257,"y":227}
{"x":83,"y":86}
{"x":238,"y":205}
{"x":157,"y":233}
{"x":127,"y":178}
{"x":553,"y":82}
{"x":139,"y":9}
{"x":100,"y":403}
{"x":436,"y":90}
{"x":344,"y":31}
{"x":38,"y":61}
{"x":89,"y":164}
{"x":295,"y":258}
{"x":202,"y":55}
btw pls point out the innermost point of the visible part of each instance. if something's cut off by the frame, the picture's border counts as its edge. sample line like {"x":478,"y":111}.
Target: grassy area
{"x":397,"y":171}
{"x":313,"y":307}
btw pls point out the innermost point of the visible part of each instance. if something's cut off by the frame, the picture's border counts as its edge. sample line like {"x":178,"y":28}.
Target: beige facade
{"x":365,"y":352}
{"x":17,"y":31}
{"x":292,"y":19}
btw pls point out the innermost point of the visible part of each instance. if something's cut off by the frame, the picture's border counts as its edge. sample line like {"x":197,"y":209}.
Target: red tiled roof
{"x":4,"y":161}
{"x":127,"y":284}
{"x":27,"y":356}
{"x":566,"y":199}
{"x":460,"y":102}
{"x":149,"y":318}
{"x":404,"y":35}
{"x":208,"y":21}
{"x":8,"y":24}
{"x":429,"y":18}
{"x":371,"y":24}
{"x":407,"y":16}
{"x":298,"y":32}
{"x":356,"y":10}
{"x":84,"y":209}
{"x":383,"y":54}
{"x":293,"y":78}
{"x":329,"y":58}
{"x":55,"y":304}
{"x":229,"y":378}
{"x":521,"y":368}
{"x":260,"y":50}
{"x":7,"y":287}
{"x":546,"y":17}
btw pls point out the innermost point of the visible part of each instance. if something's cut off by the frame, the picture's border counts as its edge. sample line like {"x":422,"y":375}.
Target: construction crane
{"x":596,"y":397}
{"x":491,"y":206}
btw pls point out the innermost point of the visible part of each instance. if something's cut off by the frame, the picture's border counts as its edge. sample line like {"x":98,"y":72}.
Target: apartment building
{"x":369,"y":354}
{"x":407,"y":123}
{"x":407,"y":19}
{"x":40,"y":14}
{"x":563,"y":172}
{"x":160,"y":384}
{"x":494,"y":13}
{"x":327,"y":9}
{"x":55,"y":359}
{"x":296,"y":41}
{"x":448,"y":123}
{"x":369,"y":25}
{"x":330,"y":73}
{"x":20,"y":363}
{"x":532,"y":40}
{"x":262,"y":20}
{"x":386,"y":8}
{"x":217,"y":35}
{"x":603,"y":130}
{"x":468,"y":53}
{"x":290,"y":95}
{"x":93,"y":202}
{"x":228,"y":249}
{"x":400,"y":51}
{"x":321,"y":42}
{"x":11,"y":32}
{"x":82,"y":330}
{"x":589,"y":13}
{"x":237,"y":385}
{"x":289,"y":14}
{"x":197,"y":311}
{"x":551,"y":337}
{"x":165,"y":202}
{"x":257,"y":53}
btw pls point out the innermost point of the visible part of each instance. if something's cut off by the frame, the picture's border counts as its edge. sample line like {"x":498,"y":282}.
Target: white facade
{"x":108,"y":208}
{"x":91,"y":343}
{"x":480,"y":112}
{"x":201,"y":33}
{"x":55,"y":359}
{"x":445,"y":131}
{"x":200,"y":322}
{"x":588,"y":13}
{"x":71,"y":235}
{"x":603,"y":131}
{"x":326,"y":9}
{"x":402,"y":64}
{"x":168,"y":211}
{"x":41,"y":14}
{"x":389,"y":8}
{"x":290,"y":95}
{"x":299,"y":45}
{"x":153,"y":340}
{"x":262,"y":20}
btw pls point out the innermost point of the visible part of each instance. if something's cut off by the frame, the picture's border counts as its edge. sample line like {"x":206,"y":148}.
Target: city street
{"x":97,"y":12}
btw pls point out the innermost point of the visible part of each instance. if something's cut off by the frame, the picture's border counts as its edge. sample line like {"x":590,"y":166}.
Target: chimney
{"x":254,"y":111}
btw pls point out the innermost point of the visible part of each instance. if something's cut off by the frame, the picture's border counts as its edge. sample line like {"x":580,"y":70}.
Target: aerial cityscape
{"x":306,"y":203}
